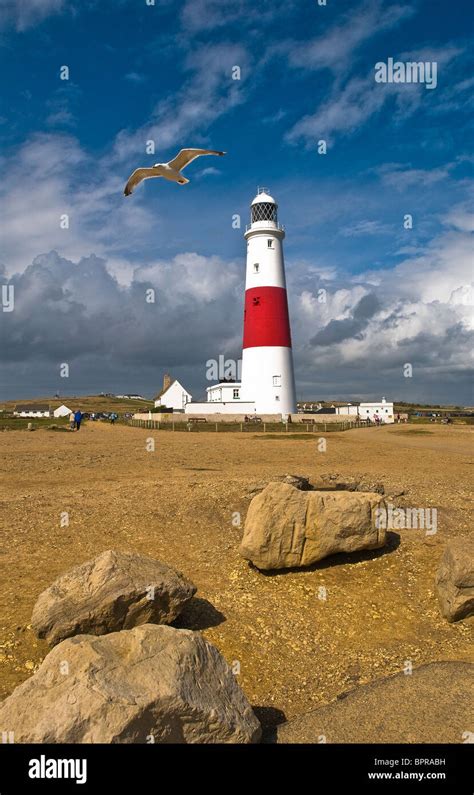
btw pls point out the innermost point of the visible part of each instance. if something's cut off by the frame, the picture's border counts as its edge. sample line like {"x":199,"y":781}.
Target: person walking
{"x":78,"y":419}
{"x":72,"y":421}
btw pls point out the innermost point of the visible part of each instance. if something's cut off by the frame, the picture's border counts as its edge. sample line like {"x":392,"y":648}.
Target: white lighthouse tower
{"x":267,"y":359}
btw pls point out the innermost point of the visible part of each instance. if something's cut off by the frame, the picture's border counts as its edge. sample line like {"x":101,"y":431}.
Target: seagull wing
{"x":138,"y":175}
{"x":186,"y":156}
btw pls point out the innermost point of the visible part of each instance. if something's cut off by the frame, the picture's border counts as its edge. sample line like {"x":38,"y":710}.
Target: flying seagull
{"x":171,"y":170}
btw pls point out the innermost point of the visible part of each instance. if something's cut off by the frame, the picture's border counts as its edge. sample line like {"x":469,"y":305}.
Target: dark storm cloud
{"x":339,"y":330}
{"x":79,"y":314}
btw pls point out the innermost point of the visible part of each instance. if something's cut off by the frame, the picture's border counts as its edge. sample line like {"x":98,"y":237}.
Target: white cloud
{"x":201,"y":15}
{"x":362,"y":228}
{"x":419,"y":312}
{"x":50,"y":176}
{"x":209,"y":172}
{"x":348,"y":109}
{"x":135,"y":77}
{"x":209,"y":93}
{"x":23,"y":14}
{"x":334,"y":48}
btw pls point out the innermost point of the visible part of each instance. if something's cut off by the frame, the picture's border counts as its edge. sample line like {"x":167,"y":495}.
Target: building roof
{"x":165,"y":389}
{"x":233,"y":384}
{"x":263,"y":196}
{"x":378,"y":403}
{"x":32,"y":407}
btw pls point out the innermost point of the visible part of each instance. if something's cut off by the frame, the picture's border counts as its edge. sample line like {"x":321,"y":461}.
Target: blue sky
{"x":164,"y":73}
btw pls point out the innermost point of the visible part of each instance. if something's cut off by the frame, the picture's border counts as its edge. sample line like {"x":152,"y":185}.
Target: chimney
{"x":166,"y":381}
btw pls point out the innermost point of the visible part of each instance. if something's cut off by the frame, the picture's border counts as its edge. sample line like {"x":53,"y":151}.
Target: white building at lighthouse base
{"x":222,"y":398}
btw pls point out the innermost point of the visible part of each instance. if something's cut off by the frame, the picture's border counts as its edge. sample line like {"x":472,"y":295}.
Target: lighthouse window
{"x":256,"y":301}
{"x":277,"y":380}
{"x":256,"y":268}
{"x":264,"y":211}
{"x":270,"y":243}
{"x":277,"y":397}
{"x":236,"y":394}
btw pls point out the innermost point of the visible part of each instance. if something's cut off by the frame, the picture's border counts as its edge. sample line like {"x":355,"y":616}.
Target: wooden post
{"x":241,"y":427}
{"x":216,"y":427}
{"x":172,"y":424}
{"x":264,"y":427}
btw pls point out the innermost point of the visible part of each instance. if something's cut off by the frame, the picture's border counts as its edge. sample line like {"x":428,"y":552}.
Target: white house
{"x":382,"y":409}
{"x":222,"y":398}
{"x":130,"y":397}
{"x":29,"y":410}
{"x":61,"y":411}
{"x":224,"y":392}
{"x":173,"y":395}
{"x":368,"y":411}
{"x":349,"y":408}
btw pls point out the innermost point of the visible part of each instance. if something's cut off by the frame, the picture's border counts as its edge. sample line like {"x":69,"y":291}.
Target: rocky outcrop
{"x":328,"y":481}
{"x":151,"y":684}
{"x":455,"y":579}
{"x":116,"y":590}
{"x":298,"y":481}
{"x":331,"y":481}
{"x":286,"y":527}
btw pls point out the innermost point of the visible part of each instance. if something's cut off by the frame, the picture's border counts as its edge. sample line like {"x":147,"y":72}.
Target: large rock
{"x":455,"y":579}
{"x":334,"y":482}
{"x":298,"y":481}
{"x":286,"y":527}
{"x":432,"y":705}
{"x":151,"y":684}
{"x":116,"y":590}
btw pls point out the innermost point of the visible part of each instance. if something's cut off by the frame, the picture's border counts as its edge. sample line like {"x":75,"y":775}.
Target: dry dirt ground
{"x":296,"y":651}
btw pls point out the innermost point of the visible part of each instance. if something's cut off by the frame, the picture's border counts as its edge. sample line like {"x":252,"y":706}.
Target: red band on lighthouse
{"x":266,"y":320}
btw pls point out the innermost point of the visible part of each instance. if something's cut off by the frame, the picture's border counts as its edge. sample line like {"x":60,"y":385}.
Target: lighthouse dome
{"x":264,"y":207}
{"x":263,"y":196}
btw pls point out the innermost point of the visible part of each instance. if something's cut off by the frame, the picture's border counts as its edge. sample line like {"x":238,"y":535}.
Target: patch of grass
{"x":87,"y":403}
{"x":21,"y":423}
{"x":284,"y":435}
{"x":411,"y":432}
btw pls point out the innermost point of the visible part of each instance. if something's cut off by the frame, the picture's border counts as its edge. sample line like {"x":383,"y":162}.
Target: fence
{"x":242,"y":427}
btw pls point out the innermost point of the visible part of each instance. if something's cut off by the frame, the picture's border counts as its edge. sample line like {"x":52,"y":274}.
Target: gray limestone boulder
{"x":455,"y":579}
{"x":116,"y":590}
{"x":286,"y":527}
{"x":433,"y":704}
{"x":150,"y":684}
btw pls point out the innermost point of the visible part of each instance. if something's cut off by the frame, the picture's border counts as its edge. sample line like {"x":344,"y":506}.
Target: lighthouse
{"x":267,"y":358}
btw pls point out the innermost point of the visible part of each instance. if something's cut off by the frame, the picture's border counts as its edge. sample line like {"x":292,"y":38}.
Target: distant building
{"x":348,"y":408}
{"x":222,"y":398}
{"x":173,"y":395}
{"x":368,"y":411}
{"x":61,"y":411}
{"x":128,"y":397}
{"x":224,"y":391}
{"x":32,"y":410}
